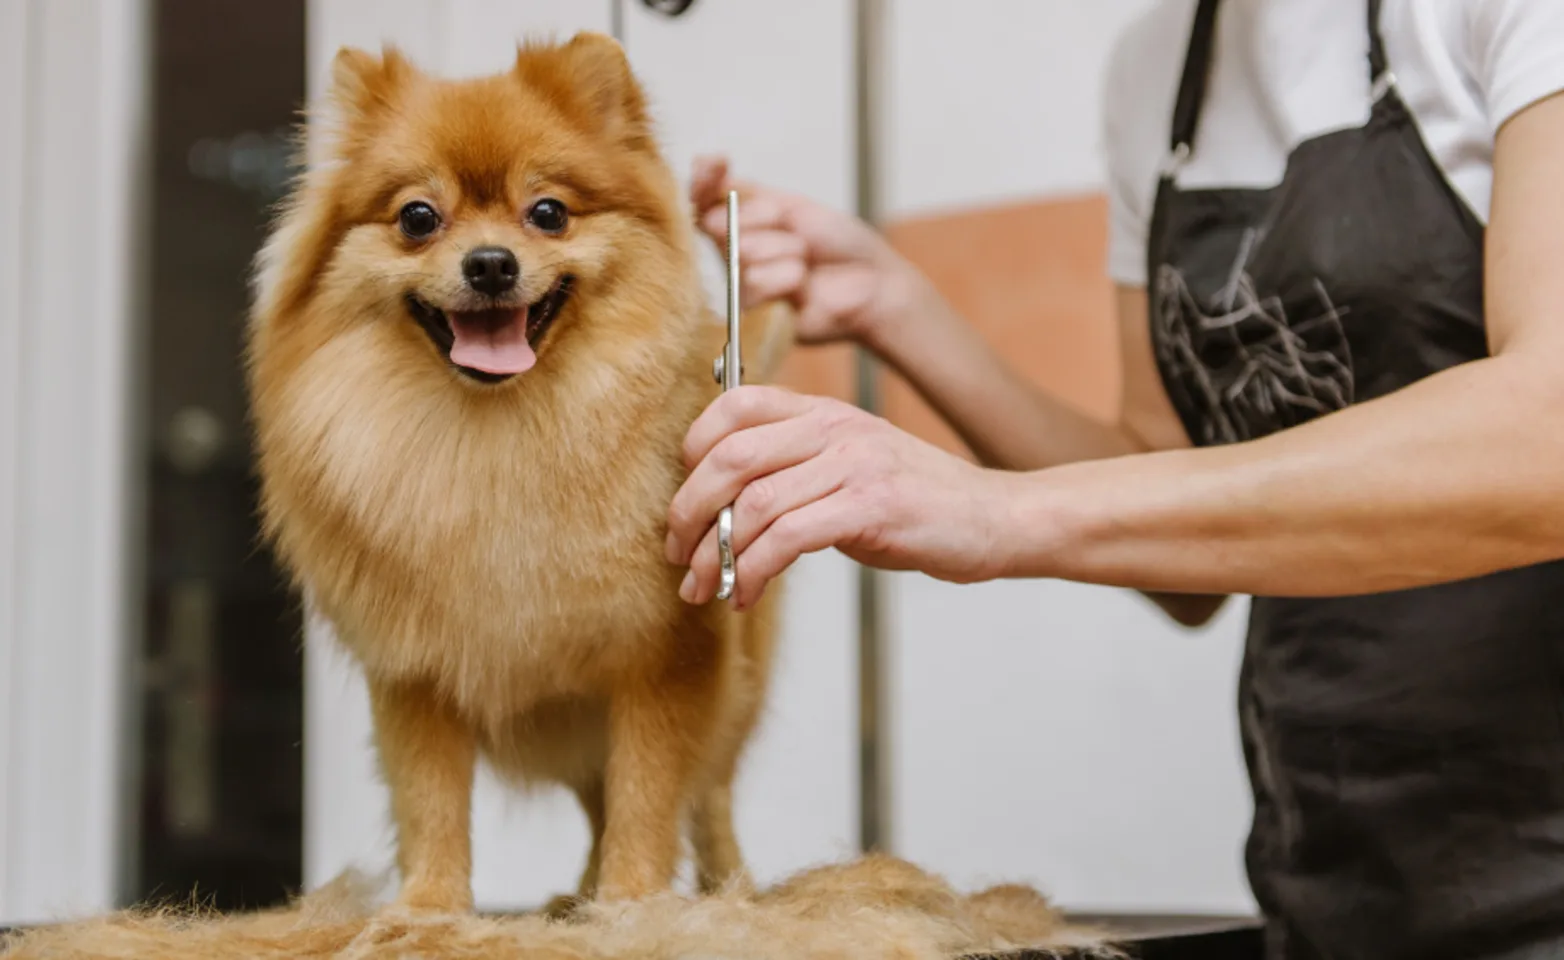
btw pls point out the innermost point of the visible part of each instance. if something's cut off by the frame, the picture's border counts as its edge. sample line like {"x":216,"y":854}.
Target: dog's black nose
{"x":491,"y":270}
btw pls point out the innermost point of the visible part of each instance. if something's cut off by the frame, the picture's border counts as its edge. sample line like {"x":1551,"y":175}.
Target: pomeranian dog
{"x":479,"y":336}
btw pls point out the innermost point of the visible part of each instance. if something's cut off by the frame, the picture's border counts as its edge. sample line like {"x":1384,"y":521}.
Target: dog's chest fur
{"x":509,"y":552}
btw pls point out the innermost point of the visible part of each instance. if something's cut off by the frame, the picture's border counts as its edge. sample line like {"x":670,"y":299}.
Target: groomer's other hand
{"x":806,"y":473}
{"x":844,"y":279}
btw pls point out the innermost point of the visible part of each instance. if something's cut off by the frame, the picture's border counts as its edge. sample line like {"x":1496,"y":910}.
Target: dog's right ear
{"x":363,"y":85}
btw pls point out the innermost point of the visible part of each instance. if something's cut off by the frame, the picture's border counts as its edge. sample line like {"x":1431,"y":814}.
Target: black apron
{"x":1406,"y":749}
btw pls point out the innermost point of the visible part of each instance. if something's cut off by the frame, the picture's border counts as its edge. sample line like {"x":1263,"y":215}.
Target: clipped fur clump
{"x":873,"y":909}
{"x":479,"y":338}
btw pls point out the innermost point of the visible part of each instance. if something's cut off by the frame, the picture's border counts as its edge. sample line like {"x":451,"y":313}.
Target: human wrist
{"x":907,"y":308}
{"x":1044,"y":522}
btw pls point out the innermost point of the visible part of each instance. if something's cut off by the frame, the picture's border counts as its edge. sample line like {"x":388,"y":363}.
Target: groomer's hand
{"x":844,"y":279}
{"x":806,"y":473}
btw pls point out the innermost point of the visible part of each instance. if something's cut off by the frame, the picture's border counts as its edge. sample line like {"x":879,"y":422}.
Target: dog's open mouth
{"x":492,"y":345}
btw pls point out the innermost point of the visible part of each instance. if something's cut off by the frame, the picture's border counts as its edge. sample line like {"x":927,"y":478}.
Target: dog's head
{"x":467,"y":222}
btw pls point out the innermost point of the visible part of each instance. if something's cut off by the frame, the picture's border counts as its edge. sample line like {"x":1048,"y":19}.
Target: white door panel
{"x":774,"y":93}
{"x":480,"y":36}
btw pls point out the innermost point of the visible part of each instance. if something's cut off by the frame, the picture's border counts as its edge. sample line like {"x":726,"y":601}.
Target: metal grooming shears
{"x":729,"y":370}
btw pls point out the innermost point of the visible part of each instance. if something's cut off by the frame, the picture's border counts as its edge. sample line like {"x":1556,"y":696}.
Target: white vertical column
{"x":75,"y":98}
{"x":525,"y":849}
{"x":772,"y":89}
{"x":14,"y":88}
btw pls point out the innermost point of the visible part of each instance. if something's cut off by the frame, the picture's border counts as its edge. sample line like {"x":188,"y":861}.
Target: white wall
{"x":797,"y":793}
{"x":72,"y":100}
{"x":1069,"y":736}
{"x":996,"y":99}
{"x":1055,"y":732}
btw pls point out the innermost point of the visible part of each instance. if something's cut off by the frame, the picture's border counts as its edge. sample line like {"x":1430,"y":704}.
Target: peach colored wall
{"x":1031,"y":278}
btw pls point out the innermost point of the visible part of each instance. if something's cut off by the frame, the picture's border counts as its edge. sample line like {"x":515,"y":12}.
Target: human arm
{"x":1457,"y":475}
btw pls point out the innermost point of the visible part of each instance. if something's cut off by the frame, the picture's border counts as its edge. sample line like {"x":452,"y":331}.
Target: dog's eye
{"x":548,"y":215}
{"x":418,"y":220}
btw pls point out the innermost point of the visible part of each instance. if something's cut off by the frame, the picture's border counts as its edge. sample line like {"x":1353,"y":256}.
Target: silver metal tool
{"x":729,"y":371}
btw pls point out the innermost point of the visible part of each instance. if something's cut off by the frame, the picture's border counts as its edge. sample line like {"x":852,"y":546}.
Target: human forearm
{"x":1004,"y":419}
{"x":1451,"y":478}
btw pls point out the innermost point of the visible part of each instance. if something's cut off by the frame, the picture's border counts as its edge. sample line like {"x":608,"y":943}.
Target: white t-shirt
{"x":1285,"y":71}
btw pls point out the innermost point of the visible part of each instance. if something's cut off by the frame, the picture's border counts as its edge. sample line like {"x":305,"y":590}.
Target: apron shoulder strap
{"x":1192,"y":86}
{"x":1381,"y":79}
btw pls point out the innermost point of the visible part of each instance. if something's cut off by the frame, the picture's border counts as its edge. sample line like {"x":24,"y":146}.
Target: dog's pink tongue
{"x":494,"y":341}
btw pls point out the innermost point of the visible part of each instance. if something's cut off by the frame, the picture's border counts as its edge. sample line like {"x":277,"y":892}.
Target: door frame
{"x":76,"y":85}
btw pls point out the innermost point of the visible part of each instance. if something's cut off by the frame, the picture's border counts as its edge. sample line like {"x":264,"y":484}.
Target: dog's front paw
{"x":431,"y":900}
{"x":566,"y":908}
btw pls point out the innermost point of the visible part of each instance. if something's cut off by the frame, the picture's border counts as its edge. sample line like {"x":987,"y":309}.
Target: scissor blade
{"x":732,"y":376}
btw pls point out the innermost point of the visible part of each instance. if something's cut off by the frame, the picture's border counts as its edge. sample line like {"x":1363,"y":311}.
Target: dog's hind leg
{"x":719,"y":860}
{"x":564,"y":906}
{"x":591,"y":798}
{"x":719,"y":863}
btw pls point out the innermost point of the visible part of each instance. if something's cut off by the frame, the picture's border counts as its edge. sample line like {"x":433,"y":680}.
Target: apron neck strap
{"x":1197,"y":71}
{"x":1378,"y":63}
{"x":1192,"y":86}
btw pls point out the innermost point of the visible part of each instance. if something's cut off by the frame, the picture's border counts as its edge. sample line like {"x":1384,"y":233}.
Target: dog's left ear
{"x":594,"y":74}
{"x":364,"y":85}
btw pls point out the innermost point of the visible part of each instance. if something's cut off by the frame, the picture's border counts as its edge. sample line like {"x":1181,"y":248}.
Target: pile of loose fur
{"x":872,"y":909}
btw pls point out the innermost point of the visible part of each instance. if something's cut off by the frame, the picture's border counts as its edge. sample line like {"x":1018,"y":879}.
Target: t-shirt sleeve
{"x":1517,"y":53}
{"x":1129,"y":205}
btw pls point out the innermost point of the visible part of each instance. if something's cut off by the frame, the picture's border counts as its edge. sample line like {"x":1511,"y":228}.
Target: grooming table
{"x":1152,"y":938}
{"x":1179,"y":938}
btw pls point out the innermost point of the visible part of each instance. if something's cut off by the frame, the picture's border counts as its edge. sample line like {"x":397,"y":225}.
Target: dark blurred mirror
{"x":221,"y":757}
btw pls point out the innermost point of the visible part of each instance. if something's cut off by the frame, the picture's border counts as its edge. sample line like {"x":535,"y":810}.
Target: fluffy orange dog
{"x":479,"y":337}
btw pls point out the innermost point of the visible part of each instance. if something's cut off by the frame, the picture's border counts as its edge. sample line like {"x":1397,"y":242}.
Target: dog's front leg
{"x":427,"y":755}
{"x":655,"y":736}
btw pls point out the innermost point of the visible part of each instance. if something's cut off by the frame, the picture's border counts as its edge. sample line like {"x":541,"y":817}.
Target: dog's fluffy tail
{"x":766,"y":340}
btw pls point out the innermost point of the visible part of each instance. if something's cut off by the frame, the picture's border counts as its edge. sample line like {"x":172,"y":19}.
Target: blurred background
{"x":169,"y":722}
